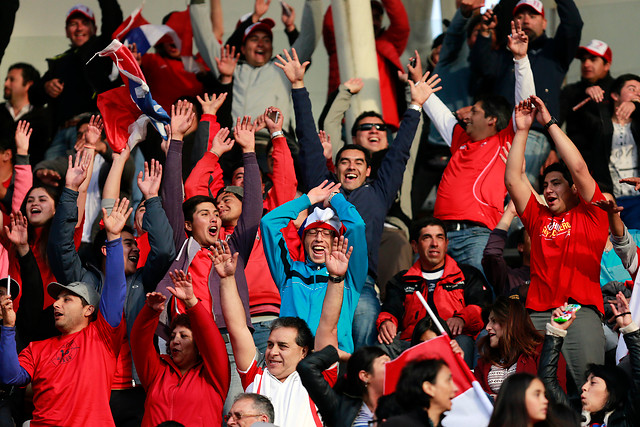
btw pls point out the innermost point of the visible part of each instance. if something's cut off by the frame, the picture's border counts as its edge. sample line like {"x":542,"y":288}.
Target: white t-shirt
{"x":623,"y":162}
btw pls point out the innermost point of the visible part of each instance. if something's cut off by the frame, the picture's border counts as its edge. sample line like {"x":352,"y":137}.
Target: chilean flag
{"x":127,"y":110}
{"x":136,"y":29}
{"x":471,"y":406}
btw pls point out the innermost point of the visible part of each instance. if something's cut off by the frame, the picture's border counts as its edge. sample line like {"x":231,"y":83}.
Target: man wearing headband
{"x":303,"y":284}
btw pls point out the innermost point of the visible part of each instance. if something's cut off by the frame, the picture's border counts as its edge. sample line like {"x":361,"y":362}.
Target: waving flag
{"x":471,"y":406}
{"x":136,"y":29}
{"x":127,"y":110}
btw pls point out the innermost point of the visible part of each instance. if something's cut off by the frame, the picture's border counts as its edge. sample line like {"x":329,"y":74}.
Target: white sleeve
{"x":525,"y":86}
{"x":310,"y":30}
{"x":441,"y":117}
{"x":206,"y":42}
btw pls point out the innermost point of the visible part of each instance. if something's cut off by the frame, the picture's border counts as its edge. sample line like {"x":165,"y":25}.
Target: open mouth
{"x":134,"y":258}
{"x":57,"y":315}
{"x":351,"y":176}
{"x":213,"y":231}
{"x":318,"y":250}
{"x":35,"y":210}
{"x":374,"y":139}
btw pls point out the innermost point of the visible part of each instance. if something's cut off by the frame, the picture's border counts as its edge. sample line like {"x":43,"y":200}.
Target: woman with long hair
{"x":424,"y":391}
{"x":610,"y":396}
{"x":521,"y":403}
{"x":512,"y":345}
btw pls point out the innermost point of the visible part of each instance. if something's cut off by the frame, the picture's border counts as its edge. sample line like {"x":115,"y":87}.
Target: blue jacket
{"x":375,"y":197}
{"x":303,"y":285}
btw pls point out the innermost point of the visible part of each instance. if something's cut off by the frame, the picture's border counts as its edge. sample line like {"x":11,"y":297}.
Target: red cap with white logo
{"x":533,"y":4}
{"x":596,"y":48}
{"x":83,"y":10}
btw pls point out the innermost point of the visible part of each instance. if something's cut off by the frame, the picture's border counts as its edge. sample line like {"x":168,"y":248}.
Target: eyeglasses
{"x":322,"y":231}
{"x":369,"y":126}
{"x":238,"y":416}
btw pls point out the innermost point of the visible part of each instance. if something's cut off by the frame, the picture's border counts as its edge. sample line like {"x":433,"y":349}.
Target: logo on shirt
{"x":556,"y":228}
{"x":65,"y":354}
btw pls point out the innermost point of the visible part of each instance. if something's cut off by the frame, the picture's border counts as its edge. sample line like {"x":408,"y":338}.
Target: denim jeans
{"x":535,"y":155}
{"x":364,"y":320}
{"x":467,"y":344}
{"x":467,"y":245}
{"x":261,"y":331}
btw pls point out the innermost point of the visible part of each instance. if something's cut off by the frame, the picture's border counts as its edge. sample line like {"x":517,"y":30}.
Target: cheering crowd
{"x":237,"y":264}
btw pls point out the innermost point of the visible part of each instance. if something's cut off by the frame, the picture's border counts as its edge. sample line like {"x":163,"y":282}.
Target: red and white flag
{"x":471,"y":406}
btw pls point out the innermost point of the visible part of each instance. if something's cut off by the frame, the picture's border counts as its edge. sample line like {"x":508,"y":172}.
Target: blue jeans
{"x":467,"y":344}
{"x":535,"y":155}
{"x":261,"y":332}
{"x":466,"y":246}
{"x":364,"y":319}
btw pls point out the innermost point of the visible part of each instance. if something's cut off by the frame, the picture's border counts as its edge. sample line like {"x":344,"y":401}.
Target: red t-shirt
{"x":565,"y":253}
{"x":71,"y":375}
{"x":200,"y":269}
{"x":472,"y":186}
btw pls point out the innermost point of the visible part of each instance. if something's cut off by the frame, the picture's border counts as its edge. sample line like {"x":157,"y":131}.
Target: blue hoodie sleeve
{"x":10,"y":370}
{"x":115,"y":284}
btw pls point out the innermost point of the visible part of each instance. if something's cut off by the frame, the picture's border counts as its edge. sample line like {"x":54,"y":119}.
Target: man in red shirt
{"x":567,"y":238}
{"x":470,"y":198}
{"x":71,"y":375}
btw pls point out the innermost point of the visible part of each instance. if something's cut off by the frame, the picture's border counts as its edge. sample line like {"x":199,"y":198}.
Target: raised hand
{"x":621,"y":310}
{"x":323,"y":191}
{"x":227,"y":63}
{"x":220,"y":143}
{"x":272,"y":125}
{"x":77,"y":171}
{"x":116,"y":220}
{"x":559,"y":312}
{"x":468,"y":6}
{"x":635,"y":181}
{"x":415,"y":73}
{"x":354,"y":85}
{"x":8,"y":313}
{"x":182,"y":288}
{"x":155,"y":301}
{"x":524,"y":115}
{"x":292,"y":68}
{"x":422,"y":90}
{"x":245,"y":134}
{"x":22,"y":136}
{"x":288,"y":19}
{"x":211,"y":104}
{"x":150,"y":185}
{"x":518,"y":41}
{"x":609,"y":206}
{"x":337,"y":261}
{"x":223,"y":260}
{"x":327,"y":148}
{"x":182,"y":116}
{"x":94,"y":131}
{"x":48,"y":177}
{"x":17,"y":232}
{"x":489,"y":23}
{"x":260,"y":8}
{"x":595,"y":92}
{"x":543,"y":116}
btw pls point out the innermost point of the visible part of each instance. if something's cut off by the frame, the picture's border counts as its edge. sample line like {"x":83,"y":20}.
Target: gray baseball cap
{"x":80,"y":289}
{"x":13,"y":288}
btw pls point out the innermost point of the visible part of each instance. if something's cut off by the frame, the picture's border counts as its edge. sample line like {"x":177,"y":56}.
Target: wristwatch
{"x":550,"y":123}
{"x":276,"y":134}
{"x":336,"y":279}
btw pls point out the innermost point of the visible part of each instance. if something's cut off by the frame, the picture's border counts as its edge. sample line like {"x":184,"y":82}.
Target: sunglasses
{"x":369,"y":126}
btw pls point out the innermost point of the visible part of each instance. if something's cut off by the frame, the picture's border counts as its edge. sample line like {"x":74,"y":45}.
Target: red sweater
{"x":195,"y":398}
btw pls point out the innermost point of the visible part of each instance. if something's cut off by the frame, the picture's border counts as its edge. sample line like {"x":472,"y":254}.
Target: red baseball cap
{"x":596,"y":48}
{"x":83,"y":10}
{"x":533,"y":4}
{"x":263,"y":25}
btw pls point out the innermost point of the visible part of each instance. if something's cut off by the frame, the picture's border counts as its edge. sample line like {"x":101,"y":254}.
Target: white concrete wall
{"x":39,"y":31}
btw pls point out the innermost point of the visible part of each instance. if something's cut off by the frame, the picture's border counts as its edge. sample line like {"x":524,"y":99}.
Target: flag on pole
{"x":471,"y":406}
{"x":127,"y":110}
{"x":136,"y":29}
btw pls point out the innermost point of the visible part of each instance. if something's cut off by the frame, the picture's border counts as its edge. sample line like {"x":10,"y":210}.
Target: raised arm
{"x":283,"y":175}
{"x":244,"y":350}
{"x":441,"y":117}
{"x":493,"y":263}
{"x":337,"y":263}
{"x":207,"y":43}
{"x":335,"y":109}
{"x":23,"y":177}
{"x":567,"y":37}
{"x":518,"y":43}
{"x":311,"y":29}
{"x":145,"y":356}
{"x":568,"y":152}
{"x":398,"y":31}
{"x":206,"y":178}
{"x":11,"y":373}
{"x":115,"y":283}
{"x":217,"y":19}
{"x":515,"y":179}
{"x":161,"y":248}
{"x":205,"y":332}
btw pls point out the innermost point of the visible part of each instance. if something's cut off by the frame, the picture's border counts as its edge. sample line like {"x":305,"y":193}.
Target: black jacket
{"x":337,"y":410}
{"x":629,"y":415}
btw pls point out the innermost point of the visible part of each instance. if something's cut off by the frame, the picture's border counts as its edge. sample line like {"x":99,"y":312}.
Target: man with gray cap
{"x":71,"y":374}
